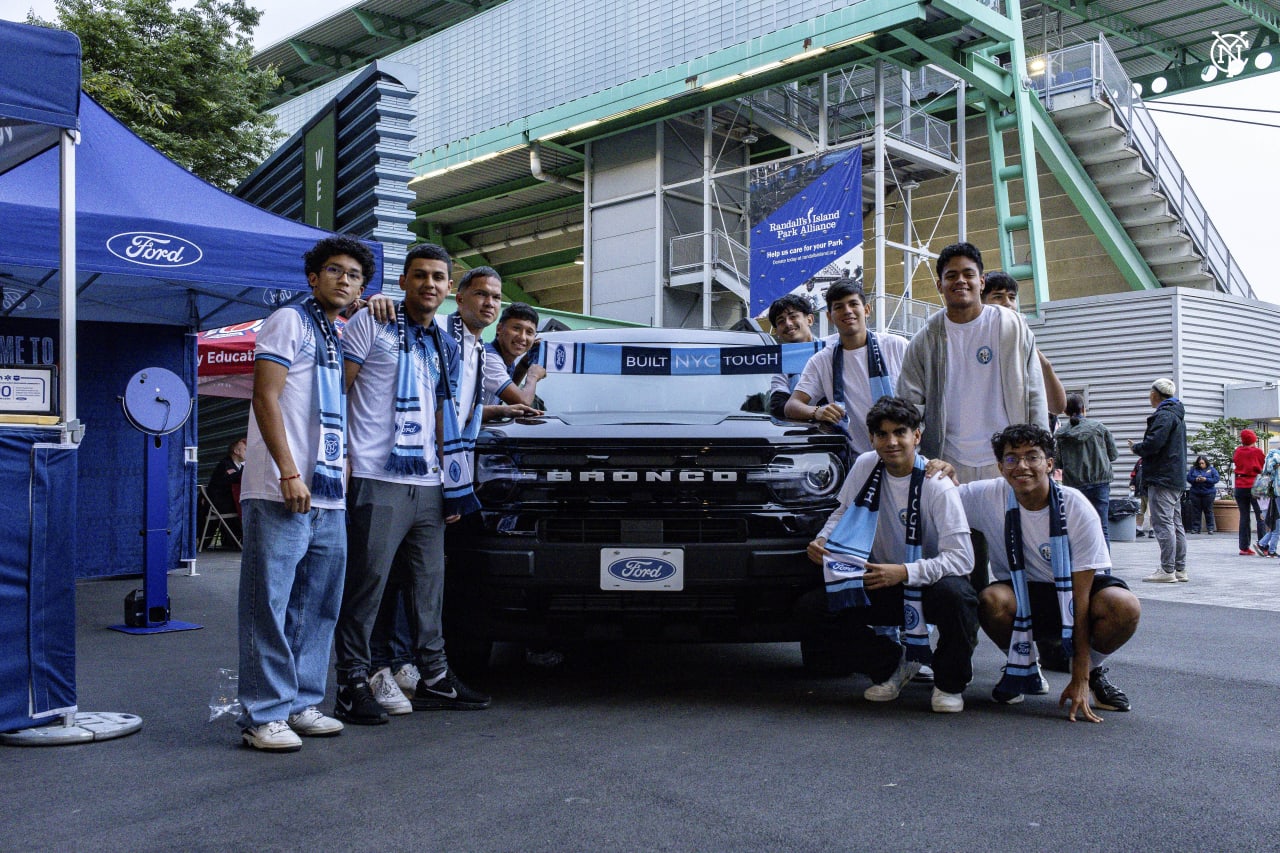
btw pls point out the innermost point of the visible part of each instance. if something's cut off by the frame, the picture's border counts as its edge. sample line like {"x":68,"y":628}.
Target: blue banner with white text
{"x":806,"y":231}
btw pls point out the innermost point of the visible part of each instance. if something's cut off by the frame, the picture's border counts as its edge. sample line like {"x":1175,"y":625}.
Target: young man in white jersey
{"x":1052,"y":576}
{"x":913,"y":532}
{"x":400,"y":375}
{"x":294,"y":514}
{"x":972,"y":369}
{"x":857,"y":368}
{"x":506,"y":368}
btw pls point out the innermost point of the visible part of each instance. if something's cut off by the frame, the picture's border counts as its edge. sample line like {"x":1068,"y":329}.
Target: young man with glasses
{"x":1052,"y":576}
{"x":295,"y":534}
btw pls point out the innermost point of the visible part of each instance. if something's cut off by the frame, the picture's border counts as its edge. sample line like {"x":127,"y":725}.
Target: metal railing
{"x":726,"y":254}
{"x":907,"y":316}
{"x":1093,"y":65}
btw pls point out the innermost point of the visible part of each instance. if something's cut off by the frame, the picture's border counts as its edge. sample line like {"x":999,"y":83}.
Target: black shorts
{"x":1046,"y":618}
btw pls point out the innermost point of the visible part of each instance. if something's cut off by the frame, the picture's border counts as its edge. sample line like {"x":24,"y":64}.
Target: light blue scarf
{"x":1022,"y":672}
{"x":331,"y":458}
{"x":851,"y":542}
{"x":458,"y":447}
{"x":877,"y":374}
{"x":408,"y":454}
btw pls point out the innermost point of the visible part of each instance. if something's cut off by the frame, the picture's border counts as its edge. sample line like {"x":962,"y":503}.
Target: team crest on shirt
{"x":902,"y":516}
{"x":1046,"y":552}
{"x":984,"y":355}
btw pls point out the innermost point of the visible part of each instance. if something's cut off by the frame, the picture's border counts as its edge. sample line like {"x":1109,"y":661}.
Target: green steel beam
{"x":1185,"y":78}
{"x":539,"y":263}
{"x":1263,"y":15}
{"x":979,"y":72}
{"x":1115,"y":25}
{"x":787,"y":54}
{"x":459,"y":250}
{"x":1084,"y":194}
{"x":384,"y":26}
{"x":326,"y":57}
{"x":428,"y":209}
{"x":515,"y":215}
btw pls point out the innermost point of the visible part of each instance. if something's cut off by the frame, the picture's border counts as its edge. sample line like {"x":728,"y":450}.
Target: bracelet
{"x":291,"y":477}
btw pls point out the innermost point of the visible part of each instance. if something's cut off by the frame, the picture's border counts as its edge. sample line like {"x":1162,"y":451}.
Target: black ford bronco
{"x":648,"y":507}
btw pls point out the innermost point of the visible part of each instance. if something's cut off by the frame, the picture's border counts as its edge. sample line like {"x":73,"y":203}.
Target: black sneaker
{"x":448,"y":694}
{"x":1053,"y":657}
{"x":1105,"y":694}
{"x":355,"y":704}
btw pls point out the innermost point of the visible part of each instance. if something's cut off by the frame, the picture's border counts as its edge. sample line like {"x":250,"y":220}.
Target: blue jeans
{"x":291,"y":573}
{"x":1099,"y":494}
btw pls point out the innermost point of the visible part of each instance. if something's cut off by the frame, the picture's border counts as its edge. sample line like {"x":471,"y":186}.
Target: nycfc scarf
{"x":851,"y":541}
{"x":459,"y":446}
{"x":408,"y":457}
{"x":623,"y":360}
{"x":1023,"y":670}
{"x":877,"y":374}
{"x":331,"y":463}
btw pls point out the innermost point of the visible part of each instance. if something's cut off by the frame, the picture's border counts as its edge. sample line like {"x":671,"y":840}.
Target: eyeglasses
{"x":355,"y":276}
{"x":1013,"y":460}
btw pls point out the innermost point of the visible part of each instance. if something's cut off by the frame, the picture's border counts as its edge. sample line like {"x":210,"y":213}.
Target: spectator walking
{"x":1164,"y":459}
{"x":1271,"y":468}
{"x":1203,"y":480}
{"x":1085,"y":450}
{"x":1247,"y":461}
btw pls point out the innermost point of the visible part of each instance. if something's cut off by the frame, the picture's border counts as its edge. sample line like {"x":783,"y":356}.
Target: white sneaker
{"x":1181,"y":574}
{"x":1161,"y":576}
{"x":311,"y":723}
{"x":407,"y":676}
{"x":275,"y":736}
{"x":388,"y":693}
{"x":887,"y":691}
{"x":947,"y":703}
{"x":924,"y":676}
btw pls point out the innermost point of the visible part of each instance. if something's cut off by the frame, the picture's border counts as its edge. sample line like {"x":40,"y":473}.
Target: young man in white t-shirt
{"x":395,"y":508}
{"x":294,"y":514}
{"x":856,"y":347}
{"x":972,"y":369}
{"x":941,"y":572}
{"x":1105,"y":612}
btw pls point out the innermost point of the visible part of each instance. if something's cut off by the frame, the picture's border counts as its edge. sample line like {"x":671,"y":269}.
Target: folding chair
{"x":223,"y":524}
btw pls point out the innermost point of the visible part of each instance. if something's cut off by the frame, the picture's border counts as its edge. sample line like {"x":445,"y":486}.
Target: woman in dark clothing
{"x":1203,"y":479}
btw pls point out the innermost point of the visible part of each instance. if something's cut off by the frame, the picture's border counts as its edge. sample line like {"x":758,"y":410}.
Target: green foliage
{"x":180,"y":78}
{"x":1218,"y":440}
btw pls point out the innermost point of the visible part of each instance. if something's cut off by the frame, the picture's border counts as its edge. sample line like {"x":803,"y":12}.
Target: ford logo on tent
{"x":152,"y":249}
{"x":642,"y":569}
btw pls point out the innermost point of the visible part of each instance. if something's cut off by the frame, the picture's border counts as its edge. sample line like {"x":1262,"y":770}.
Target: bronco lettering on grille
{"x":642,"y":476}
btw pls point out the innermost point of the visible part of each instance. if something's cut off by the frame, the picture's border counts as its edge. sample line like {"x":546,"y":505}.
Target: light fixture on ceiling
{"x":750,"y":139}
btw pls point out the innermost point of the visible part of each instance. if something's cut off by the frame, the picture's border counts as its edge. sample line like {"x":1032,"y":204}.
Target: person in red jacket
{"x":1247,"y":461}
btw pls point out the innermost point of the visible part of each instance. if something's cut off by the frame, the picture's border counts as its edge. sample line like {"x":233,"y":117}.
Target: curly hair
{"x":1016,"y":435}
{"x":894,"y":409}
{"x":330,"y":247}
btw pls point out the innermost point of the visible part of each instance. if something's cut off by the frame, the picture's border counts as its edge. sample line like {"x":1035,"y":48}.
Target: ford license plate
{"x":654,"y":569}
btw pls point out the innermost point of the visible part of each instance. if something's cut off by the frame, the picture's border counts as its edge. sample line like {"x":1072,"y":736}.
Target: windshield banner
{"x":622,"y":360}
{"x":806,"y":228}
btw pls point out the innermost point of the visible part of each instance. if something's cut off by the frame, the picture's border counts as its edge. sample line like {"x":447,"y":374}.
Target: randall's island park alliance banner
{"x":806,"y":228}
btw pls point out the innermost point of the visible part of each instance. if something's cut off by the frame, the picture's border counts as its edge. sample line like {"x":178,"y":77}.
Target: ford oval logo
{"x":411,"y":428}
{"x":153,"y":249}
{"x":642,"y":569}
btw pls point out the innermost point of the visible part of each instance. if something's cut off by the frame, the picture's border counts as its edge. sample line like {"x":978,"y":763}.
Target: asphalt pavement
{"x":720,"y":747}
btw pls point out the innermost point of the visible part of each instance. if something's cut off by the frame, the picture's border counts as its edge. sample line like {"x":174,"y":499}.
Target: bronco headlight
{"x":801,"y":477}
{"x":496,"y":477}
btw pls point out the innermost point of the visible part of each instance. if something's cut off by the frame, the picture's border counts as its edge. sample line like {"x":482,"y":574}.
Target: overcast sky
{"x":1231,"y":166}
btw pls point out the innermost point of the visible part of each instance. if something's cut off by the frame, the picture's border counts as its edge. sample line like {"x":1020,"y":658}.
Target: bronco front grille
{"x":670,"y":531}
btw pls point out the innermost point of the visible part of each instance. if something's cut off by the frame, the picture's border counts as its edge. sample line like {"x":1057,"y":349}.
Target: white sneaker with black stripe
{"x":388,"y":693}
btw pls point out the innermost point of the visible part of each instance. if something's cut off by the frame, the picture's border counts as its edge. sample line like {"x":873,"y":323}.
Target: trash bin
{"x":1123,"y":518}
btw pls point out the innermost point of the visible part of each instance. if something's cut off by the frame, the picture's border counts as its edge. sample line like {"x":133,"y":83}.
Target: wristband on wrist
{"x":290,"y":477}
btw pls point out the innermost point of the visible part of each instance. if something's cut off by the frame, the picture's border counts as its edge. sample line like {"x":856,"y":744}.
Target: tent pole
{"x":67,"y":328}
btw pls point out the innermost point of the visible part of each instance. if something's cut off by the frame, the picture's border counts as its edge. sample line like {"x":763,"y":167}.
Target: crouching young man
{"x":897,"y":552}
{"x":1051,"y":577}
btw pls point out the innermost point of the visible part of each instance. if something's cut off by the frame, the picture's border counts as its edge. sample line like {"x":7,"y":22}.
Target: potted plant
{"x":1218,"y":440}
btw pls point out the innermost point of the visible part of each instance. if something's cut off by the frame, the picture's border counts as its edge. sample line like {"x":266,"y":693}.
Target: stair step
{"x":1118,"y":171}
{"x":1136,"y":188}
{"x":1144,"y":212}
{"x":1160,"y":234}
